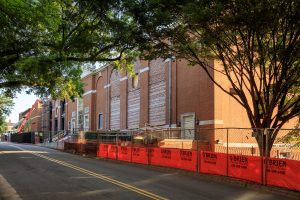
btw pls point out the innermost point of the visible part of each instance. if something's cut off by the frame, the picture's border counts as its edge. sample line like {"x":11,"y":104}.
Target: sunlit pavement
{"x":32,"y":172}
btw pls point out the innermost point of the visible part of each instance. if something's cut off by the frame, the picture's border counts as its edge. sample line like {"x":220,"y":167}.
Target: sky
{"x":22,"y":102}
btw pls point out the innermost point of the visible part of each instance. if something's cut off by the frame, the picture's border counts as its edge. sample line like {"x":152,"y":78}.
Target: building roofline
{"x":101,"y":68}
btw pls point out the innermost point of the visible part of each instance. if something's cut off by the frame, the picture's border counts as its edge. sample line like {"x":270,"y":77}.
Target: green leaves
{"x":6,"y":104}
{"x":257,"y":42}
{"x":43,"y":43}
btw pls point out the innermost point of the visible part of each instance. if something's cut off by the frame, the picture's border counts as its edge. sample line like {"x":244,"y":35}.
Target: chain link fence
{"x":283,"y":143}
{"x":286,"y":144}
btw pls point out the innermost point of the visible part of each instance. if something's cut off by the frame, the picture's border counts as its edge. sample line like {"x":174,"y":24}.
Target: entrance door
{"x":188,"y":126}
{"x":55,"y":125}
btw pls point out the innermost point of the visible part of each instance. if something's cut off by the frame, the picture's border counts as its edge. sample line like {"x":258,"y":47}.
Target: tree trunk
{"x":265,"y":139}
{"x":261,"y":141}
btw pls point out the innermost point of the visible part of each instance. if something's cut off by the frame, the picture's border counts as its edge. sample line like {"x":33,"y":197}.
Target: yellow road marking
{"x":15,"y":152}
{"x":102,"y":177}
{"x":7,"y":191}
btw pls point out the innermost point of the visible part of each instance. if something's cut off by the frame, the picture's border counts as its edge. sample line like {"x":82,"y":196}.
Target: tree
{"x":257,"y":43}
{"x":44,"y":44}
{"x":6,"y":105}
{"x":292,"y":138}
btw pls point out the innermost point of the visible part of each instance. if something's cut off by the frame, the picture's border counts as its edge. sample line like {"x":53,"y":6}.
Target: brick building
{"x":10,"y":126}
{"x":161,"y":93}
{"x":36,"y":117}
{"x":57,"y":115}
{"x":46,"y":116}
{"x":30,"y":120}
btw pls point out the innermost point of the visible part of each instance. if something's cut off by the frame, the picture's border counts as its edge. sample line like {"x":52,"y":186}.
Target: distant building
{"x":30,"y":120}
{"x":10,"y":126}
{"x":46,"y":116}
{"x":23,"y":114}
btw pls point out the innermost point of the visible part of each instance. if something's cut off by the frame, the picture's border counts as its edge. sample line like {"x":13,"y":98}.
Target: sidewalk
{"x":53,"y":145}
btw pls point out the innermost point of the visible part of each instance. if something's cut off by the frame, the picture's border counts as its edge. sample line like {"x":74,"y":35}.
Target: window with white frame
{"x":86,"y":122}
{"x":73,"y":124}
{"x":100,"y":122}
{"x":135,"y":81}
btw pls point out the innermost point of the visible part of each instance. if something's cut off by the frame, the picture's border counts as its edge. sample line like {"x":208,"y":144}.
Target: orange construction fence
{"x":270,"y":171}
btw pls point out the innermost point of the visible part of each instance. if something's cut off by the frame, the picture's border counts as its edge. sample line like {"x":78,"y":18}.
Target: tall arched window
{"x":157,"y":93}
{"x":134,"y":98}
{"x":115,"y":101}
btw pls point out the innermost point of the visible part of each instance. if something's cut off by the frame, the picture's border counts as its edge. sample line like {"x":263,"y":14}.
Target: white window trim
{"x":86,"y":110}
{"x":124,"y":78}
{"x":101,"y":121}
{"x":107,"y":86}
{"x":89,"y":92}
{"x":84,"y":125}
{"x":73,"y":120}
{"x":144,"y":70}
{"x":208,"y":122}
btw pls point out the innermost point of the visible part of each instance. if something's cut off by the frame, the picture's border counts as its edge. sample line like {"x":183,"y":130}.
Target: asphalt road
{"x":31,"y":172}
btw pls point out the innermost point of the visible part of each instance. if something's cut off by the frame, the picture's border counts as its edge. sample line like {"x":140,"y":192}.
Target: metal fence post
{"x":117,"y":145}
{"x":227,"y":151}
{"x":131,"y":145}
{"x":197,"y":151}
{"x":107,"y":141}
{"x":266,"y":131}
{"x":97,"y":142}
{"x":148,"y":148}
{"x":261,"y":132}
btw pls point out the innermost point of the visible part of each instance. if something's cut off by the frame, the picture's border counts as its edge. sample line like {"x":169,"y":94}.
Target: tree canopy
{"x":44,"y":44}
{"x":257,"y":43}
{"x":6,"y":105}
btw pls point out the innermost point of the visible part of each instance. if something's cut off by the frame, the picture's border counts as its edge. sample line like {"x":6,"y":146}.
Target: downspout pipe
{"x":170,"y":91}
{"x":106,"y":92}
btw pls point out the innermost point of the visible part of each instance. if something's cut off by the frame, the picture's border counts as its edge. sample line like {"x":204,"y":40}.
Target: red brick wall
{"x":36,"y":117}
{"x":123,"y":100}
{"x":103,"y":96}
{"x":100,"y":97}
{"x":194,"y":92}
{"x":89,"y":99}
{"x":71,"y":107}
{"x":144,"y":84}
